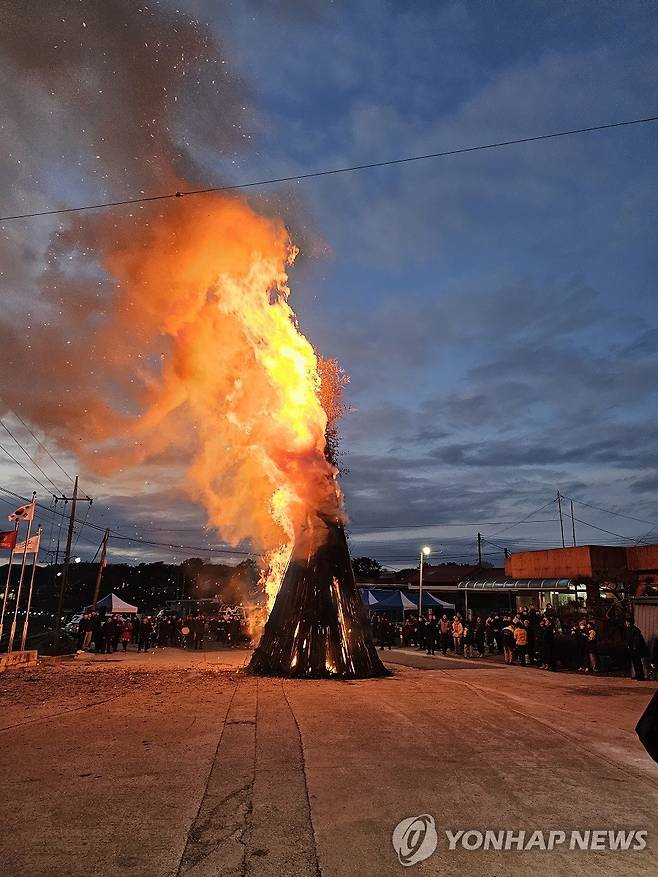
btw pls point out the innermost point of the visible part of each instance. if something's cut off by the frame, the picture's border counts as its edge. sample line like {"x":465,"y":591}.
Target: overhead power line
{"x":630,"y":539}
{"x":526,"y":518}
{"x":374,"y":528}
{"x":331,"y":172}
{"x":82,"y":526}
{"x":610,"y":512}
{"x":27,"y":472}
{"x":31,"y":458}
{"x":43,"y":446}
{"x":132,"y":539}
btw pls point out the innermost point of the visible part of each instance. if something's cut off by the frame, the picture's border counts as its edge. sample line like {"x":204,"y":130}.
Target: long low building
{"x":551,"y":576}
{"x":587,"y":561}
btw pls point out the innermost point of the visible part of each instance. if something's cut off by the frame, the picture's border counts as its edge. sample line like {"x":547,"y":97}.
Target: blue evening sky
{"x":496,"y":311}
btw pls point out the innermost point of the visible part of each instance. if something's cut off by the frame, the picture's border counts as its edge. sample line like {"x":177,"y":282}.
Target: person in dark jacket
{"x":420,"y":633}
{"x":87,"y":624}
{"x":531,"y":630}
{"x":198,"y":631}
{"x":430,"y":634}
{"x":547,"y":634}
{"x":592,"y":647}
{"x":164,"y":631}
{"x":468,"y":637}
{"x":234,"y":632}
{"x":385,"y":633}
{"x":637,"y":649}
{"x":97,"y":633}
{"x":145,"y":634}
{"x":489,"y":634}
{"x":81,"y":631}
{"x":497,"y":627}
{"x":116,"y":633}
{"x":137,"y":623}
{"x":479,"y":636}
{"x":374,"y":626}
{"x":580,"y":637}
{"x":108,"y":634}
{"x":654,"y":655}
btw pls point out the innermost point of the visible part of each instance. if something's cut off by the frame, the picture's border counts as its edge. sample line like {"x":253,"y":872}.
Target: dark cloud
{"x":622,"y":447}
{"x":496,"y":311}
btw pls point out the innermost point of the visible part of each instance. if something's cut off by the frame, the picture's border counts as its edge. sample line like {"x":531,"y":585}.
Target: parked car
{"x":71,"y":627}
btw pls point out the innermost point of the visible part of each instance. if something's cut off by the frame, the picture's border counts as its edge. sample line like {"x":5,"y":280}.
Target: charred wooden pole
{"x":318,"y":627}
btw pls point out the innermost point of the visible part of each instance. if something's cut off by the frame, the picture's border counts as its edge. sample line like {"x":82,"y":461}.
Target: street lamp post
{"x":423,"y":553}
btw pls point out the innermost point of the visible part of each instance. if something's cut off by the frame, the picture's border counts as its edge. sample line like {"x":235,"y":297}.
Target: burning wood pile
{"x":189,"y":359}
{"x":317,"y":627}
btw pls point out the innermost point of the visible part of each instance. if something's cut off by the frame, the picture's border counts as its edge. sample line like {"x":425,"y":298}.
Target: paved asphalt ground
{"x":176,"y":763}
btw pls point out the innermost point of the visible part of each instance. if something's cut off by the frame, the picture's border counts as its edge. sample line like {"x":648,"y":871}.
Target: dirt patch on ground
{"x":30,"y":695}
{"x":600,"y":691}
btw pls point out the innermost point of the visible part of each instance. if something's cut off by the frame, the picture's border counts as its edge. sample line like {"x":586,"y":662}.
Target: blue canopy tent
{"x":370,"y":599}
{"x":382,"y":598}
{"x":375,"y":598}
{"x":431,"y":601}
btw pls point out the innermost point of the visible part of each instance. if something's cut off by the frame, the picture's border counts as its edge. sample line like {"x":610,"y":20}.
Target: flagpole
{"x":4,"y":599}
{"x":12,"y":632}
{"x":29,"y":596}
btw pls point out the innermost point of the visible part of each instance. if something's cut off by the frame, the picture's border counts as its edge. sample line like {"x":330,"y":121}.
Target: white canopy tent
{"x":114,"y":605}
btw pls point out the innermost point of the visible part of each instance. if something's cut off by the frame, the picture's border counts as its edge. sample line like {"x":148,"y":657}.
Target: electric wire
{"x":331,"y":172}
{"x":603,"y":530}
{"x":29,"y":456}
{"x":28,"y":473}
{"x":536,"y":511}
{"x":609,"y":511}
{"x":43,"y":446}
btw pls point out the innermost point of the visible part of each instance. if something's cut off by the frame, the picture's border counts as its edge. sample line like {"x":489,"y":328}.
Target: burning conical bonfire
{"x":173,"y":349}
{"x":317,"y":627}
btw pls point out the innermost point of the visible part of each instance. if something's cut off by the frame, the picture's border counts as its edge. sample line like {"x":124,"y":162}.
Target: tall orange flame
{"x":236,"y":391}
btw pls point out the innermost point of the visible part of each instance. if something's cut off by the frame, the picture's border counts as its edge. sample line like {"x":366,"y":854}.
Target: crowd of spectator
{"x":527,"y":638}
{"x":104,"y":633}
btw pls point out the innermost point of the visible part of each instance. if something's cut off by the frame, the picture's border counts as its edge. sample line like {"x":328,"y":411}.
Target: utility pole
{"x":573,"y":525}
{"x":54,"y":575}
{"x":424,"y":552}
{"x":101,"y":567}
{"x":479,"y":549}
{"x":559,"y":505}
{"x":67,"y":556}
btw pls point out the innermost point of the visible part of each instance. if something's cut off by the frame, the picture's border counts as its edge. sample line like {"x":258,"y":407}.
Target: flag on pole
{"x":8,"y":539}
{"x":31,"y":546}
{"x":23,"y":513}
